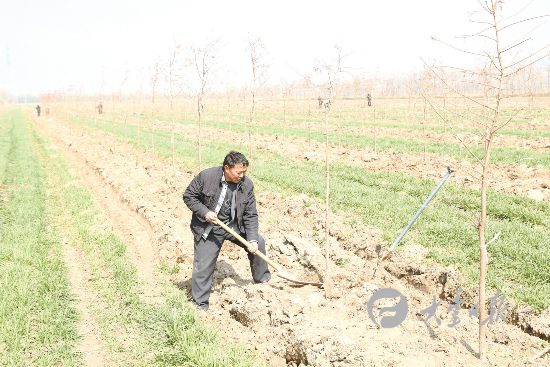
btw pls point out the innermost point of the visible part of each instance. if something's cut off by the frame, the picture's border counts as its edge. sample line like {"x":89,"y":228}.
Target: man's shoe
{"x":265,"y":280}
{"x":203,"y":307}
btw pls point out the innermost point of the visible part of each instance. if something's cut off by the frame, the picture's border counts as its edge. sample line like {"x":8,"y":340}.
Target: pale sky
{"x":92,"y":45}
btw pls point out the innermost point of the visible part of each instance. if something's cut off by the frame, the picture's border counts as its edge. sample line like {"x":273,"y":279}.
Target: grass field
{"x":37,"y":315}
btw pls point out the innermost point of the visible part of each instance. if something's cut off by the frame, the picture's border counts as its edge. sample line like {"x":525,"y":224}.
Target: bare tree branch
{"x":479,"y":34}
{"x":498,"y":67}
{"x":454,"y":112}
{"x":526,"y":66}
{"x":527,"y":57}
{"x":515,"y":45}
{"x":444,"y":119}
{"x":485,"y":6}
{"x":518,"y":12}
{"x":473,"y":221}
{"x":498,"y":127}
{"x":456,"y":48}
{"x":523,"y":20}
{"x":454,"y":90}
{"x":466,"y":71}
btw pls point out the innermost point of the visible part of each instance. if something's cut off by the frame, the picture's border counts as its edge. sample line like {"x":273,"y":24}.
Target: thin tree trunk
{"x":375,"y":146}
{"x":172,"y":140}
{"x":285,"y":128}
{"x":424,"y":129}
{"x":126,"y":134}
{"x":153,"y":130}
{"x":251,"y":121}
{"x":172,"y":123}
{"x":489,"y":131}
{"x":199,"y":108}
{"x":309,"y":128}
{"x":483,"y":262}
{"x":374,"y":119}
{"x":328,"y":252}
{"x":139,"y":135}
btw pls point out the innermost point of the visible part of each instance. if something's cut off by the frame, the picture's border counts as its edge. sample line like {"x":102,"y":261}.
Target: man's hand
{"x":254,"y":249}
{"x":211,"y":217}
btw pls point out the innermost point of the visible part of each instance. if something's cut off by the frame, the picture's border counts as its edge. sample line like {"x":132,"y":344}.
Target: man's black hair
{"x":233,"y":158}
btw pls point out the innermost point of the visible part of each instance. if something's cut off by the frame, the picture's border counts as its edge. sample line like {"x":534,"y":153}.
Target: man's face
{"x":234,"y":174}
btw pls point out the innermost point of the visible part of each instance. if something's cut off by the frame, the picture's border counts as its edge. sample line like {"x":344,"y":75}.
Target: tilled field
{"x":283,"y":323}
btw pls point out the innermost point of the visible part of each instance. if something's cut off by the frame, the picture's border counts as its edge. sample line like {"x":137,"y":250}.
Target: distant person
{"x":369,"y":100}
{"x":320,"y":100}
{"x":100,"y":108}
{"x":47,"y":111}
{"x":37,"y":110}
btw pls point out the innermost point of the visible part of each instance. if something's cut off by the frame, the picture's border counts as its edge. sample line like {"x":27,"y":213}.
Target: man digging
{"x":226,"y":194}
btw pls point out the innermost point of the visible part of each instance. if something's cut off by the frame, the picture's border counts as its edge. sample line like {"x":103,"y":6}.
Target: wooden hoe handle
{"x":253,"y":249}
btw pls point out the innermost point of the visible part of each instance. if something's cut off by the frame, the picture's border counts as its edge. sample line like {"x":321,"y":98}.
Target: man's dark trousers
{"x":204,"y":263}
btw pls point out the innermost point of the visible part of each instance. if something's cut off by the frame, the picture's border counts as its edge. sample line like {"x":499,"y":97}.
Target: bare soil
{"x":290,"y":325}
{"x":90,"y":345}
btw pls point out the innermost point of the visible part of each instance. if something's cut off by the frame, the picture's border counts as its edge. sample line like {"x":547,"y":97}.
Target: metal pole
{"x":418,"y":212}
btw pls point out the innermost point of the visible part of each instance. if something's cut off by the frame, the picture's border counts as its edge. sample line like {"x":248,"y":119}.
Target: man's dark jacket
{"x":202,"y":194}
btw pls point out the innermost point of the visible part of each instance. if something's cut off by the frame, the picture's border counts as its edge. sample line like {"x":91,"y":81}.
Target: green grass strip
{"x":519,"y":267}
{"x":37,"y":316}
